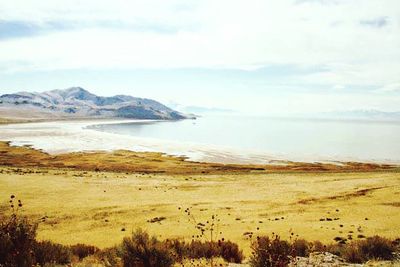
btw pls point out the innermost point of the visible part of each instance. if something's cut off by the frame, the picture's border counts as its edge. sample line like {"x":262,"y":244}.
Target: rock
{"x":321,"y":259}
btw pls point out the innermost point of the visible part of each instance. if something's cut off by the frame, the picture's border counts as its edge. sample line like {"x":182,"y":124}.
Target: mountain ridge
{"x":77,"y":102}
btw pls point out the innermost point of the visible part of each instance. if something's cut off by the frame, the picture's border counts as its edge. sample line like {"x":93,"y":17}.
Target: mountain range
{"x":76,"y":102}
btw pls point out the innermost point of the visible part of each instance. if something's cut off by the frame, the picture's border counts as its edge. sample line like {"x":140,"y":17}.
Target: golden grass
{"x":10,"y":121}
{"x":93,"y":207}
{"x":5,"y":121}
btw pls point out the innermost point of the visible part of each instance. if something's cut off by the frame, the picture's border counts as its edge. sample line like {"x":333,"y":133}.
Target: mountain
{"x":76,"y":102}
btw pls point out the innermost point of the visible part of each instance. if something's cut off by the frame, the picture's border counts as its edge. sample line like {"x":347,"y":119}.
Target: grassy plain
{"x":100,"y":208}
{"x":100,"y":197}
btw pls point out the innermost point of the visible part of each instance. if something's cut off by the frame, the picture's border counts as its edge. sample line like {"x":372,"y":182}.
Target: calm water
{"x":319,"y":139}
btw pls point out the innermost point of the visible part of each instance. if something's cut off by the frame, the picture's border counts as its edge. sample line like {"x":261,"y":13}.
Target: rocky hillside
{"x":77,"y":102}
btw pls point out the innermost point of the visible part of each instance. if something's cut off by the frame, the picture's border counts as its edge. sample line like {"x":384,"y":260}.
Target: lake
{"x":308,"y":139}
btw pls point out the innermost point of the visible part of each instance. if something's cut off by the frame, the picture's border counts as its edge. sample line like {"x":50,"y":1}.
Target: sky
{"x":253,"y":56}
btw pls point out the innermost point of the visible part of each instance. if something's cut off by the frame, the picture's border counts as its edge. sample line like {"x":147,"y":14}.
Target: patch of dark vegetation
{"x":49,"y":252}
{"x":157,"y":219}
{"x":82,"y":250}
{"x":276,"y":252}
{"x":142,"y":250}
{"x":270,"y":252}
{"x":197,"y":249}
{"x":393,"y":204}
{"x":17,"y":238}
{"x":345,"y":196}
{"x":338,"y":239}
{"x":375,"y":247}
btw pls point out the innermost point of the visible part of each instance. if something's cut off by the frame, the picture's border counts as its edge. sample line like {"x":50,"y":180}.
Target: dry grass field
{"x":100,"y":208}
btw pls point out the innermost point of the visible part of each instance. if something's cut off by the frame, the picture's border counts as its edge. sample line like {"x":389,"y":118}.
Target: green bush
{"x":142,"y":250}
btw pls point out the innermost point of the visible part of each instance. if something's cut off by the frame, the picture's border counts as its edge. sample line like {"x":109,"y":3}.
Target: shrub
{"x":49,"y":252}
{"x":82,"y":250}
{"x":179,"y":249}
{"x":110,"y":257}
{"x":301,"y":247}
{"x":230,"y":252}
{"x":375,"y":247}
{"x":351,"y":253}
{"x":268,"y":252}
{"x":318,"y":246}
{"x":197,"y":249}
{"x":141,"y":250}
{"x":17,"y":238}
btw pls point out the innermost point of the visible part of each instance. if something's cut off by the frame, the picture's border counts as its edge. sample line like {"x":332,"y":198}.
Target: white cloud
{"x":227,"y":33}
{"x":212,"y":34}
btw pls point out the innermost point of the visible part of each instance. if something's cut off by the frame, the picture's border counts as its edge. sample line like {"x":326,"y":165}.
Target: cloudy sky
{"x":265,"y":56}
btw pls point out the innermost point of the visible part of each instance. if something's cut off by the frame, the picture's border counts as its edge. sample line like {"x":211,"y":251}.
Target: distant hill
{"x":76,"y":102}
{"x":201,"y":110}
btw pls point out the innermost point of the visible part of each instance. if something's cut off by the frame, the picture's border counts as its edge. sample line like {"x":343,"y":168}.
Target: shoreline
{"x":125,"y":161}
{"x":82,"y":136}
